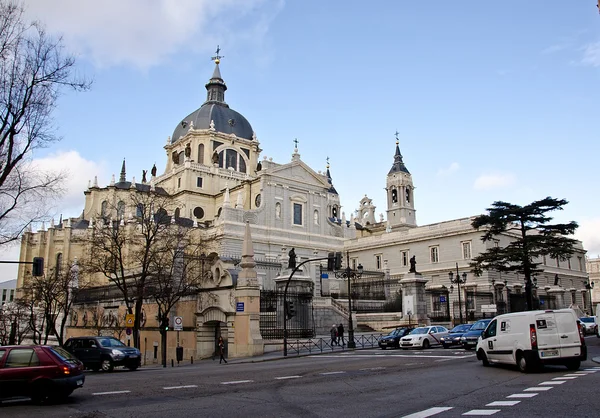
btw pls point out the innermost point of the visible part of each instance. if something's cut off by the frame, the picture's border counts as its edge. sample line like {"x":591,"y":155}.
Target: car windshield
{"x":479,"y":326}
{"x":419,"y":331}
{"x":460,"y":328}
{"x":111,"y":342}
{"x":588,"y":320}
{"x":63,"y":354}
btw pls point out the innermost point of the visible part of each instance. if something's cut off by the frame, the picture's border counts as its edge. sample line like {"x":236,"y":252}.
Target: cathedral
{"x":253,"y":214}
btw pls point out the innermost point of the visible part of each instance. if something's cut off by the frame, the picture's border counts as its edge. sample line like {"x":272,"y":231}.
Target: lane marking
{"x":372,"y":368}
{"x":590,"y":370}
{"x":522,"y":395}
{"x":328,"y":373}
{"x":117,"y":392}
{"x":235,"y":382}
{"x":551,"y":382}
{"x":575,"y":375}
{"x":390,"y":355}
{"x":288,"y":377}
{"x":428,"y":412}
{"x":482,"y":412}
{"x":565,"y":378}
{"x":538,"y":389}
{"x":503,"y":403}
{"x":180,"y":387}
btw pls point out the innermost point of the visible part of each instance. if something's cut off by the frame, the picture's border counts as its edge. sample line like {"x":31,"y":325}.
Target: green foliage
{"x":394,"y":305}
{"x":532,"y":236}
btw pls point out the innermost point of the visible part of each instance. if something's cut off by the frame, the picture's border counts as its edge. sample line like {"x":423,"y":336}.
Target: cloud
{"x":443,"y":172}
{"x":589,"y":233}
{"x":143,"y":34}
{"x":554,"y":48}
{"x":78,"y":171}
{"x":591,"y":55}
{"x":494,"y":181}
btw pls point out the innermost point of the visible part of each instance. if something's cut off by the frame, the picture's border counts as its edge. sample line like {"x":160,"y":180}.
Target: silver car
{"x":424,"y":337}
{"x":590,"y":325}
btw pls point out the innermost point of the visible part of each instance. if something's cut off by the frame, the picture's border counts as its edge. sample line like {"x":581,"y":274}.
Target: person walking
{"x":340,"y":334}
{"x":333,"y":332}
{"x":222,"y":350}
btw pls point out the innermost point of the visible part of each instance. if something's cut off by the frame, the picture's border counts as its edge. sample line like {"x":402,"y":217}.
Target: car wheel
{"x":483,"y":358}
{"x":107,"y":365}
{"x":573,"y":365}
{"x":425,"y":344}
{"x":41,"y":392}
{"x":522,"y":363}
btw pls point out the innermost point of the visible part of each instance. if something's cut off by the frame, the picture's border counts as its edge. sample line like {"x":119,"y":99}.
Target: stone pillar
{"x":413,"y":299}
{"x":247,"y":338}
{"x":559,"y":294}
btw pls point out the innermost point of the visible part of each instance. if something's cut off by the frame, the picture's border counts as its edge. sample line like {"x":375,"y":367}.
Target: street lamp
{"x":349,"y":274}
{"x":460,"y":279}
{"x":589,"y":285}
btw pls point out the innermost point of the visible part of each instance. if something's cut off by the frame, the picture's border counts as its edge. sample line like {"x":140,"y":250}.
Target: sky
{"x":491,"y":100}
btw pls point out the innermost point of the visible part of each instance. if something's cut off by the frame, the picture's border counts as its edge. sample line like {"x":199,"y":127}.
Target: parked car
{"x":590,"y":325}
{"x":534,"y":338}
{"x":469,"y":338}
{"x":104,"y":353}
{"x":393,"y":338}
{"x":42,"y":373}
{"x":424,"y":337}
{"x":453,"y":337}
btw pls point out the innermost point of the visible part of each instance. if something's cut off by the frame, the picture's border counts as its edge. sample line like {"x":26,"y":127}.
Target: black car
{"x":393,"y":338}
{"x":453,"y":337}
{"x":104,"y":353}
{"x":469,"y":339}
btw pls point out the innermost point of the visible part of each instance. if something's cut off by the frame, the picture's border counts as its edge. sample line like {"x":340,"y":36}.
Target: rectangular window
{"x":579,"y":259}
{"x":466,"y":250}
{"x":378,"y":261}
{"x":179,"y":183}
{"x":297,"y":214}
{"x":557,"y":262}
{"x":12,"y":295}
{"x":199,"y":182}
{"x":569,"y":263}
{"x":434,"y":254}
{"x":404,"y":258}
{"x":544,"y":259}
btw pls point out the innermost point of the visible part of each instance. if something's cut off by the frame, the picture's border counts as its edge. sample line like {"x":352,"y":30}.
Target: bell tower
{"x":400,"y":194}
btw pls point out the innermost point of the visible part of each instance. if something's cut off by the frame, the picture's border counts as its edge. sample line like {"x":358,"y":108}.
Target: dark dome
{"x":226,"y":120}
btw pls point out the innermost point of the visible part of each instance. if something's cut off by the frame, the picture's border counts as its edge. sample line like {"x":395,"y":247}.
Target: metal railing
{"x":320,"y":345}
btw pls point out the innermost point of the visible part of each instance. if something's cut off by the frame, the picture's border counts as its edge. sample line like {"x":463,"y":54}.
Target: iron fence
{"x":272,"y":315}
{"x":319,"y":345}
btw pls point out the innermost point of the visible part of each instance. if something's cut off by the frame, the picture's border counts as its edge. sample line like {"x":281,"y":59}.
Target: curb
{"x":596,"y":359}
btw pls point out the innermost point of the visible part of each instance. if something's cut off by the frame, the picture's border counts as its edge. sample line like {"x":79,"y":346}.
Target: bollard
{"x":172,"y":363}
{"x":192,"y":360}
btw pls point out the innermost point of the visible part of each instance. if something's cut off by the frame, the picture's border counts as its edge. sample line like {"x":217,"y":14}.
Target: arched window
{"x":121,"y":210}
{"x":181,"y":158}
{"x":230,"y":158}
{"x":278,"y":210}
{"x":201,"y":153}
{"x":162,"y":216}
{"x":394,"y":195}
{"x":407,"y":195}
{"x":104,"y":209}
{"x":177,"y":213}
{"x":219,"y":212}
{"x":58,"y":268}
{"x":316,"y":217}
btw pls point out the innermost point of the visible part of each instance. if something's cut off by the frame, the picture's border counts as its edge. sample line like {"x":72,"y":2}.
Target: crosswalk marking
{"x":428,"y":412}
{"x":503,"y":403}
{"x":522,"y":395}
{"x":481,"y":412}
{"x":538,"y":389}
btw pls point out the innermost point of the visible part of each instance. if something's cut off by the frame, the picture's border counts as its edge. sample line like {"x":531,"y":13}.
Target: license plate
{"x":80,"y":383}
{"x":549,"y":353}
{"x":133,"y":356}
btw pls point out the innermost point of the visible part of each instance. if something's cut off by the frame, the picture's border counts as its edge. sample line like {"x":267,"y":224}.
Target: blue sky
{"x":492,"y":100}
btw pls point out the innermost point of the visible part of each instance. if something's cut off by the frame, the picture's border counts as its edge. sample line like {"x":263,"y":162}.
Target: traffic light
{"x":338,"y":261}
{"x":38,"y":266}
{"x":330,"y":261}
{"x":164,"y":324}
{"x":290,"y":309}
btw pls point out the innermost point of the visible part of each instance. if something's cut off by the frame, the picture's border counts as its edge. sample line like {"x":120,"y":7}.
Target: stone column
{"x":247,"y":338}
{"x":413,"y":299}
{"x":559,"y":294}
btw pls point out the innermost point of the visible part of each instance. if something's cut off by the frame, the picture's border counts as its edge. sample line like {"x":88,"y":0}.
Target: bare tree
{"x":34,"y":69}
{"x":49,"y":300}
{"x":175,"y":268}
{"x":14,"y":323}
{"x":125,"y":249}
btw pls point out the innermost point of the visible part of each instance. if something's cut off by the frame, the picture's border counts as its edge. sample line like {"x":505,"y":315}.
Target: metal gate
{"x":299,"y":316}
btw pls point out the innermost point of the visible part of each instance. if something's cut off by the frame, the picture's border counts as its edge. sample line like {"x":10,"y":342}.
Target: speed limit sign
{"x":178,"y":325}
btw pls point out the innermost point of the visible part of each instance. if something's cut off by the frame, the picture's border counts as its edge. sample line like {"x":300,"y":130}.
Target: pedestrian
{"x":222,"y":350}
{"x":340,"y":334}
{"x":333,"y":332}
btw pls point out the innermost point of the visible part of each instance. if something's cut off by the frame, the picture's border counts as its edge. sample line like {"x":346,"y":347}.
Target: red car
{"x":40,"y":372}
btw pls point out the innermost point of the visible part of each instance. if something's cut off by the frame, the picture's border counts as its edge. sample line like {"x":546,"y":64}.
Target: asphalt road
{"x":364,"y":383}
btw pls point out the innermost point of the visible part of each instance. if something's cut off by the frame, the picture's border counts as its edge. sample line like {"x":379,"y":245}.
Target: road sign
{"x":128,"y":331}
{"x":488,"y":308}
{"x":239,"y":307}
{"x":178,"y":323}
{"x":442,"y":299}
{"x":129,"y":320}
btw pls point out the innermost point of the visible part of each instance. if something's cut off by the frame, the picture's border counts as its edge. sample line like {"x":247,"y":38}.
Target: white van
{"x":533,"y":338}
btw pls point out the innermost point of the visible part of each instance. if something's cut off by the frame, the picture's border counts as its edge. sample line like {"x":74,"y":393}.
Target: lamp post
{"x":460,"y":279}
{"x":589,"y":285}
{"x":349,"y":274}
